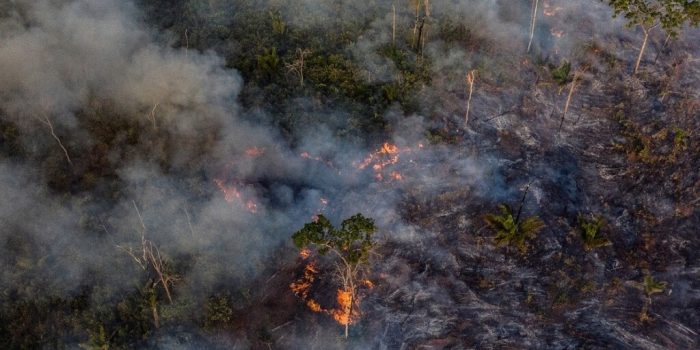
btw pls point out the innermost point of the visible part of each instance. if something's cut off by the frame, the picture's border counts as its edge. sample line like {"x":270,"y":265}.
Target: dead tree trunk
{"x":644,"y":45}
{"x":470,"y":84}
{"x":48,"y":123}
{"x":533,"y":21}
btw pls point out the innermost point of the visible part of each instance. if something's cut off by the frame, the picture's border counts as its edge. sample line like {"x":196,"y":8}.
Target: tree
{"x":297,"y":66}
{"x":510,"y":231}
{"x":670,"y":15}
{"x":148,"y":257}
{"x":590,"y":232}
{"x":352,"y":245}
{"x":651,"y":287}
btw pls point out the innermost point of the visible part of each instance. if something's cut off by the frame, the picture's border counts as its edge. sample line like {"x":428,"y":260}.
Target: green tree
{"x":509,"y":229}
{"x":351,"y":244}
{"x":651,"y":287}
{"x":670,"y":15}
{"x":590,"y":232}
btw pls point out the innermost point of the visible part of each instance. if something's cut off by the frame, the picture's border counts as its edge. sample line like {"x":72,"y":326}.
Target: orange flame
{"x":254,"y":152}
{"x":550,"y":10}
{"x":231,"y":194}
{"x":386,"y":155}
{"x":344,"y":315}
{"x":251,"y":206}
{"x":557,"y":33}
{"x":301,"y":286}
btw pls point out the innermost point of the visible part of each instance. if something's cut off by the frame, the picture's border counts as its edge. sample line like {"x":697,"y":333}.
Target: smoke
{"x":161,"y":145}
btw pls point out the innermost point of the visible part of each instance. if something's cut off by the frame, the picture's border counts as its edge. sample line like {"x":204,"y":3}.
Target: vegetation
{"x":511,"y":231}
{"x":351,"y":245}
{"x":590,"y":232}
{"x":671,"y":15}
{"x":561,"y":74}
{"x":651,"y":287}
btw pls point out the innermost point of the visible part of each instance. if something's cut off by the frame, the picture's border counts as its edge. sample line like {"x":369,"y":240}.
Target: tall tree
{"x":351,"y":244}
{"x":670,"y":15}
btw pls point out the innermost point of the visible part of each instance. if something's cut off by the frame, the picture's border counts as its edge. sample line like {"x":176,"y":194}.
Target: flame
{"x":251,"y":206}
{"x":230,"y":192}
{"x":301,"y":286}
{"x":254,"y":152}
{"x":347,"y":311}
{"x":550,"y":10}
{"x":557,"y":33}
{"x":344,"y":314}
{"x":314,"y":306}
{"x":386,"y":155}
{"x":306,"y":155}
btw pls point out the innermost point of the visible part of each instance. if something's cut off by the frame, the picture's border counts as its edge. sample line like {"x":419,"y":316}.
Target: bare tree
{"x":297,"y":66}
{"x":46,"y":121}
{"x":577,"y":74}
{"x":471,"y":76}
{"x":393,"y":24}
{"x":152,"y":115}
{"x":533,"y":22}
{"x":148,"y":255}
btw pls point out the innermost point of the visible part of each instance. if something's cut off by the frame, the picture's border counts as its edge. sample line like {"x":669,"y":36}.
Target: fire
{"x":344,"y":314}
{"x":254,"y":152}
{"x":230,"y":192}
{"x":550,"y":10}
{"x":396,"y":176}
{"x":386,"y":155}
{"x":251,"y":206}
{"x":301,"y":286}
{"x":314,"y":306}
{"x":557,"y":33}
{"x":306,"y":155}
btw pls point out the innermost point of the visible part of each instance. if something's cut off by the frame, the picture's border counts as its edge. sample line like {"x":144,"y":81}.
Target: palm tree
{"x":590,"y":232}
{"x":509,"y":231}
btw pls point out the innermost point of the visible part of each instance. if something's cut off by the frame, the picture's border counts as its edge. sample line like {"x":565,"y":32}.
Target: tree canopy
{"x":353,"y":240}
{"x":671,"y":15}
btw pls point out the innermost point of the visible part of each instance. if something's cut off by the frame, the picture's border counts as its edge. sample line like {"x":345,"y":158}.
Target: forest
{"x":336,"y":174}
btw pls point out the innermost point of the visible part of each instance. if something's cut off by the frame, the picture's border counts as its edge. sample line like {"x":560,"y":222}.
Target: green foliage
{"x":652,"y":286}
{"x":670,"y":14}
{"x":561,"y":74}
{"x":278,"y":25}
{"x":590,"y":232}
{"x":509,"y":231}
{"x":352,"y":241}
{"x":218,"y":311}
{"x":268,"y":63}
{"x":98,"y":340}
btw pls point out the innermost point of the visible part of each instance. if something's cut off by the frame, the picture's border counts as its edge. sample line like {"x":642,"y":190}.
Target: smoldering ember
{"x":335,"y":174}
